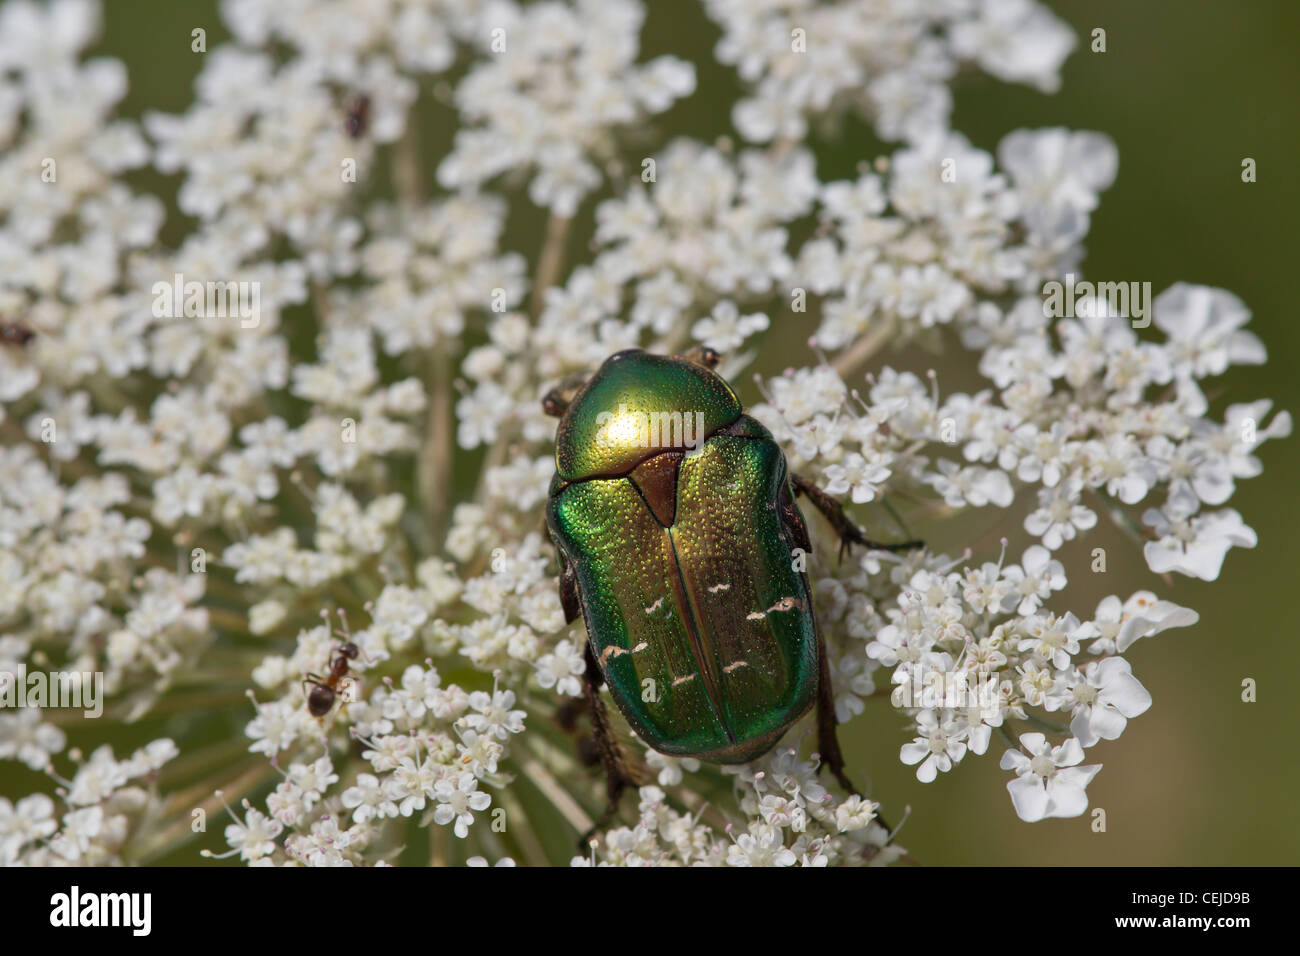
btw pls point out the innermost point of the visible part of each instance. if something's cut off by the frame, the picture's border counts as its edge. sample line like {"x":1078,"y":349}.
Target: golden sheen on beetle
{"x":674,"y":518}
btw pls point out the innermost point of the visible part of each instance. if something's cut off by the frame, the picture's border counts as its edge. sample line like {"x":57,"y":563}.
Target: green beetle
{"x":678,"y":537}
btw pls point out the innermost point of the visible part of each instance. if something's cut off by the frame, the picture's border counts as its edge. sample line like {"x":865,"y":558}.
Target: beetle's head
{"x":557,"y":401}
{"x":636,"y":406}
{"x":703,"y":356}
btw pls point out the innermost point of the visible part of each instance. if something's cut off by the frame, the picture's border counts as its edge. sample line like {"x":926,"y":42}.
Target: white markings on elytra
{"x":613,"y":651}
{"x":785,"y":604}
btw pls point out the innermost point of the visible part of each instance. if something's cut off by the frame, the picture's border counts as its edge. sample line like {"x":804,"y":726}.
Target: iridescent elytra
{"x":673,"y":514}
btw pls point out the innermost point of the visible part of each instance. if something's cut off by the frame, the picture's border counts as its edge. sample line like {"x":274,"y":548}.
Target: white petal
{"x":1067,"y":799}
{"x":1035,"y":743}
{"x":1081,"y":727}
{"x":1107,"y":723}
{"x":1013,"y":760}
{"x":913,"y":753}
{"x":1125,"y":693}
{"x":928,"y":770}
{"x":1029,"y":797}
{"x":1068,"y":754}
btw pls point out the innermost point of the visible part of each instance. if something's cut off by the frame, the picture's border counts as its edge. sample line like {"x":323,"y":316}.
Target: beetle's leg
{"x":569,"y":591}
{"x":793,"y":521}
{"x":849,"y":533}
{"x":617,"y":777}
{"x":607,"y":749}
{"x":828,"y":742}
{"x":567,"y":714}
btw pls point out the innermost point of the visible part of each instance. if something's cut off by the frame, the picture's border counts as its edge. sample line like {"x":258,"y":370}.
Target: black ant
{"x":322,"y":696}
{"x":356,"y":115}
{"x":15,"y":333}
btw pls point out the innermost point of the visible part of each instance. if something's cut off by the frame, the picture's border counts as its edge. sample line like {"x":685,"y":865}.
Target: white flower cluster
{"x":890,"y":63}
{"x":792,"y":821}
{"x":183,"y":498}
{"x":62,"y":246}
{"x":1084,"y":415}
{"x":107,"y":806}
{"x":973,"y":651}
{"x":564,"y":80}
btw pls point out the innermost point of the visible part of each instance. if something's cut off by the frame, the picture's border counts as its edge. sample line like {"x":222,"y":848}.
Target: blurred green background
{"x":1187,"y":89}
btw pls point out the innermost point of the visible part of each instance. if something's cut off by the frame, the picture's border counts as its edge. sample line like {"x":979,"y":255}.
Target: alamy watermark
{"x":928,"y":688}
{"x":79,"y":690}
{"x":208,"y":300}
{"x":130,"y":910}
{"x":1090,"y":300}
{"x":635,"y":428}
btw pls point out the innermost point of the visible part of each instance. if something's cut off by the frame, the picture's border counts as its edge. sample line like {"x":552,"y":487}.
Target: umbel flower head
{"x":313,"y":420}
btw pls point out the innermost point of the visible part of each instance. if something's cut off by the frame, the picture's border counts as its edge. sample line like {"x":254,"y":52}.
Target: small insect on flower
{"x":325,"y":690}
{"x":356,"y":115}
{"x":15,"y":334}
